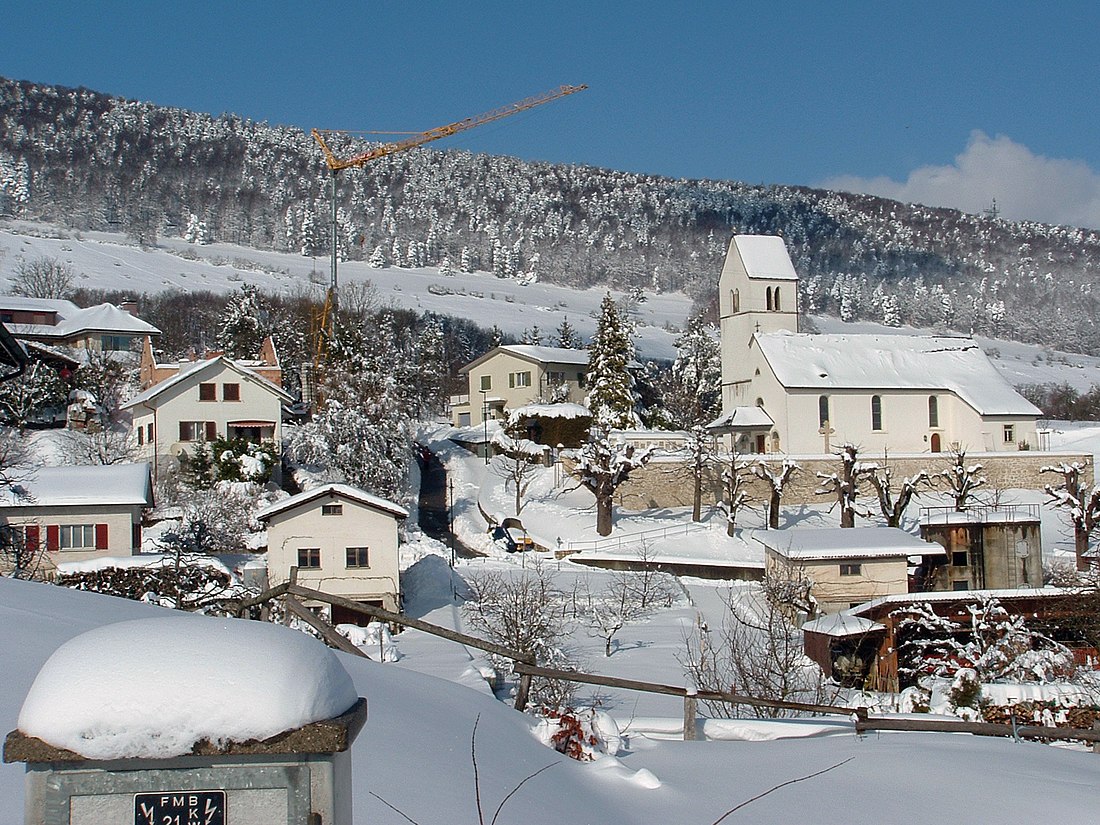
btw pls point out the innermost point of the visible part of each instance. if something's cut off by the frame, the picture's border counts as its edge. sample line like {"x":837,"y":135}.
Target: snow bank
{"x":153,"y":688}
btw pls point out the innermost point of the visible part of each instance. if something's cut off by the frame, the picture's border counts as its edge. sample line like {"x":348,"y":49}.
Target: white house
{"x":514,"y":375}
{"x":103,"y":327}
{"x":343,"y":541}
{"x":79,"y":513}
{"x":847,"y":566}
{"x":216,"y":397}
{"x":791,"y":392}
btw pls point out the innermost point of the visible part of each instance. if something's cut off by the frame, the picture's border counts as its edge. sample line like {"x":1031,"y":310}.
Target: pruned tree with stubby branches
{"x":1080,"y":503}
{"x":602,"y":467}
{"x":893,"y":502}
{"x":844,"y":486}
{"x":776,"y":479}
{"x":961,"y":479}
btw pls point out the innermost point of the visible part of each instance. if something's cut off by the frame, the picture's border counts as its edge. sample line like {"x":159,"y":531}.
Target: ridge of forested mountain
{"x":92,"y":161}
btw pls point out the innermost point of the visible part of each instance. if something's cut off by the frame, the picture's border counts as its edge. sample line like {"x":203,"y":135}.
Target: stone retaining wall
{"x":667,"y":482}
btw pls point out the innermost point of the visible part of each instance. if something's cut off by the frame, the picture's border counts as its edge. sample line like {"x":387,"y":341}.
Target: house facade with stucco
{"x":342,"y":541}
{"x":515,"y":375}
{"x":785,"y":391}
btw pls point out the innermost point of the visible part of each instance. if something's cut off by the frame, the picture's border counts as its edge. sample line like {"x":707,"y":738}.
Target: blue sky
{"x":952,"y":103}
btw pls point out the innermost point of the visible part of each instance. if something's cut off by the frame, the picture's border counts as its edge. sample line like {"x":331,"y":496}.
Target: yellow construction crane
{"x":336,"y":165}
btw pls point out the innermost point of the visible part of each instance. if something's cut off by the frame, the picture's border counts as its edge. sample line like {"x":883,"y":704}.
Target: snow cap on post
{"x":154,"y":688}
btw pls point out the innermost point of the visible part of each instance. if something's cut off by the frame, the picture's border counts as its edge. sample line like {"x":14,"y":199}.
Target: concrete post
{"x":691,"y":712}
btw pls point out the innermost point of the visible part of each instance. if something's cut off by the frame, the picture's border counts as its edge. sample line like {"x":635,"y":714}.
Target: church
{"x":786,"y":391}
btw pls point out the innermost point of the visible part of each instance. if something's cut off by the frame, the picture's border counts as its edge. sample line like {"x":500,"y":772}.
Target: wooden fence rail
{"x":525,"y":667}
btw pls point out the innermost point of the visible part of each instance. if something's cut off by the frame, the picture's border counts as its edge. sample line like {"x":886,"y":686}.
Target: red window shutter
{"x":53,"y":537}
{"x":101,"y":537}
{"x":31,"y":534}
{"x":211,"y":430}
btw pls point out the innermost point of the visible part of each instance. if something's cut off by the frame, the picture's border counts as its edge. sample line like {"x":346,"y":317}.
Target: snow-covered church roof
{"x":892,"y":362}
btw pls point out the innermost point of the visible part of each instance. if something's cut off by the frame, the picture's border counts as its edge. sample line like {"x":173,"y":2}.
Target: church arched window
{"x":876,"y":412}
{"x":769,"y":299}
{"x":822,"y":410}
{"x":775,"y":300}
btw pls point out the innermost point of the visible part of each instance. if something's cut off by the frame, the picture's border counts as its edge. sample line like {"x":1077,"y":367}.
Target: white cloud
{"x":1027,"y":186}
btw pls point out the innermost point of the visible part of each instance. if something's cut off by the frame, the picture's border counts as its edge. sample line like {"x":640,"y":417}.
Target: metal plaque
{"x":180,"y":808}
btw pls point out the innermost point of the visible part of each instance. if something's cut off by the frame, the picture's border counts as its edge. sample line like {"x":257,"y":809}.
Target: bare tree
{"x":845,"y":484}
{"x":516,"y":463}
{"x":881,"y":478}
{"x":602,"y":467}
{"x":108,"y":445}
{"x":757,"y":652}
{"x":734,"y":495}
{"x":776,"y":479}
{"x":1078,"y":502}
{"x":523,"y":611}
{"x":700,"y":449}
{"x":961,"y":479}
{"x":43,"y":278}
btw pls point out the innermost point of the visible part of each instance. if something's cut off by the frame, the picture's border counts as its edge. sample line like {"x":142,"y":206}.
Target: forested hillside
{"x":90,"y":161}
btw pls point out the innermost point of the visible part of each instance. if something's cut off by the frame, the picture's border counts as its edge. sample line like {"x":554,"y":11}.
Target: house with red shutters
{"x":77,"y":513}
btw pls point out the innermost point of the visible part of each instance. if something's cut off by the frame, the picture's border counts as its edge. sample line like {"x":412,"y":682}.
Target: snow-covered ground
{"x":423,"y":727}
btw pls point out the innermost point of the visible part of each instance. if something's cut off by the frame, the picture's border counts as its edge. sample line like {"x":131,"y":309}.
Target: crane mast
{"x":336,"y":165}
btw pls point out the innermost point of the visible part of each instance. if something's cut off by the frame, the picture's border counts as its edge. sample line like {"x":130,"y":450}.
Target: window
{"x":140,"y":435}
{"x":851,"y":569}
{"x":769,"y":299}
{"x":149,"y":432}
{"x":192,"y":430}
{"x":208,"y":392}
{"x":1010,"y":433}
{"x":735,"y":301}
{"x":486,"y":382}
{"x":876,"y":412}
{"x":309,"y":556}
{"x":231,"y":392}
{"x":76,"y":537}
{"x":332,"y":509}
{"x":114,"y":343}
{"x":776,"y":300}
{"x":519,"y":379}
{"x":823,"y":410}
{"x":555,"y":379}
{"x":580,"y":380}
{"x":933,"y":411}
{"x":464,"y":419}
{"x":960,"y":584}
{"x":958,"y":558}
{"x":358,"y":557}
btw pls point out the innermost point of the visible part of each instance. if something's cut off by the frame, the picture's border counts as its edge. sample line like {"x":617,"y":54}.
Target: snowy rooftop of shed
{"x":983,"y":515}
{"x":564,"y":410}
{"x":765,"y":256}
{"x":842,"y":624}
{"x":101,"y":484}
{"x":963,"y":596}
{"x":846,"y":543}
{"x":750,"y":418}
{"x":345,"y":491}
{"x":893,"y":362}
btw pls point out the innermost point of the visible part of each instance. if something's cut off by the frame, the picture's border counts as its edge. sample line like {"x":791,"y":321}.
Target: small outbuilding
{"x":848,"y":566}
{"x":342,"y":540}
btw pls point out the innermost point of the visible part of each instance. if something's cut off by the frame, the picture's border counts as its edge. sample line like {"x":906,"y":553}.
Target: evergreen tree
{"x":244,"y":324}
{"x":377,"y":258}
{"x":611,"y":386}
{"x":567,"y":335}
{"x":693,"y":393}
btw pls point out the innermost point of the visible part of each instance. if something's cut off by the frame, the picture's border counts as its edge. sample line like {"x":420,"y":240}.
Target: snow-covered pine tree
{"x":244,"y":323}
{"x":611,"y":386}
{"x":377,"y":258}
{"x":693,"y":393}
{"x":567,"y":335}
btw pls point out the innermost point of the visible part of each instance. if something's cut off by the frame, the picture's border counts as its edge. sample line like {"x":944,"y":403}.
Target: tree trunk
{"x":773,"y":511}
{"x":697,"y":500}
{"x":1081,"y":546}
{"x":730,"y":527}
{"x":847,"y":517}
{"x":603,"y":513}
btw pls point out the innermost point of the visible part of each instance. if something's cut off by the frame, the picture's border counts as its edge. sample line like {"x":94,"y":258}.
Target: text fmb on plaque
{"x":180,"y":808}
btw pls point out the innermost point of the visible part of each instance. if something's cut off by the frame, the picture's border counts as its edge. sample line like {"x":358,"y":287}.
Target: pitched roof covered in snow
{"x":765,"y":256}
{"x":742,"y":418}
{"x":110,"y":484}
{"x":193,"y":372}
{"x":892,"y":362}
{"x":345,"y":491}
{"x":841,"y":624}
{"x":535,"y":354}
{"x":72,"y":320}
{"x":817,"y":544}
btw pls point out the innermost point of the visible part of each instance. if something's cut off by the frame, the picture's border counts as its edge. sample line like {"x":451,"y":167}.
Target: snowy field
{"x":423,"y":726}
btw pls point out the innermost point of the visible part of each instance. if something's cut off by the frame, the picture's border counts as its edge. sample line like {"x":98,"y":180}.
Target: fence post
{"x":1096,"y":744}
{"x":522,"y":691}
{"x":691,"y":707}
